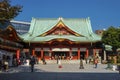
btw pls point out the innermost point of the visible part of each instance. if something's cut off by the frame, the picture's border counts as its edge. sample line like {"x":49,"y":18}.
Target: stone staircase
{"x":63,"y":61}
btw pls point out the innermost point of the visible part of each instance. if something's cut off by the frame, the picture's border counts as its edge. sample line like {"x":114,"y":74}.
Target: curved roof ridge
{"x":81,"y":26}
{"x":84,"y":19}
{"x":40,"y":25}
{"x":44,"y":18}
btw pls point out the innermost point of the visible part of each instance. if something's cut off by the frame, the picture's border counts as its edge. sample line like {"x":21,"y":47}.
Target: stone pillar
{"x":104,"y":55}
{"x":115,"y":59}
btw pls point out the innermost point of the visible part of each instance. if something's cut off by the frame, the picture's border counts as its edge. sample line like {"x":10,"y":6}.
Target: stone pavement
{"x":74,"y":68}
{"x":67,"y":72}
{"x":65,"y":68}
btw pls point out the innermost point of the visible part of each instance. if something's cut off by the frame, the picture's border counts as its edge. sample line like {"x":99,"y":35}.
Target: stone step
{"x":63,"y":61}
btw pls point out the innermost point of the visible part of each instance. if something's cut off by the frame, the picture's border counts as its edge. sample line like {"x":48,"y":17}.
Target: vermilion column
{"x":50,"y":53}
{"x":87,"y":53}
{"x":33,"y":52}
{"x":41,"y":52}
{"x":79,"y":53}
{"x":94,"y":52}
{"x":18,"y":54}
{"x":70,"y":54}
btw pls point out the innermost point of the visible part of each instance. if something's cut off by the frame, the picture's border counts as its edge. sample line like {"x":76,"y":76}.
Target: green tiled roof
{"x":81,"y":26}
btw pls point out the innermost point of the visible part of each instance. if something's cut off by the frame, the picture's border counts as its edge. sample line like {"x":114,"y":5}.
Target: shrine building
{"x":66,"y":38}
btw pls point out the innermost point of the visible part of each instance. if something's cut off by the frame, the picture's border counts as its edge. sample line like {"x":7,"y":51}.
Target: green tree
{"x":7,"y":11}
{"x":112,"y":37}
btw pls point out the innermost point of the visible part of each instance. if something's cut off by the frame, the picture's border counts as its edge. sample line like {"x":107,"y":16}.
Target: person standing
{"x":43,"y":60}
{"x":59,"y":63}
{"x":96,"y":62}
{"x":81,"y":64}
{"x":32,"y":63}
{"x":5,"y":63}
{"x":86,"y":60}
{"x":1,"y":64}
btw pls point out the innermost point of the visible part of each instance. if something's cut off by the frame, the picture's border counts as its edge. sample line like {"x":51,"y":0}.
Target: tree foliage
{"x":7,"y":11}
{"x":112,"y":37}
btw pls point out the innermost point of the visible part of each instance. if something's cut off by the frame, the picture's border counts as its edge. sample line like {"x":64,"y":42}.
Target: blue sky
{"x":102,"y":13}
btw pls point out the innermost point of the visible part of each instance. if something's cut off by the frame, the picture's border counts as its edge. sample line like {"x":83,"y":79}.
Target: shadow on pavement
{"x":59,"y":76}
{"x":24,"y":73}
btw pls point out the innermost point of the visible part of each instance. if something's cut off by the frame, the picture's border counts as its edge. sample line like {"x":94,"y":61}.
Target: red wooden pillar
{"x":94,"y":52}
{"x":87,"y":53}
{"x":70,"y":54}
{"x":50,"y":53}
{"x":41,"y":52}
{"x":79,"y":53}
{"x":33,"y":52}
{"x":18,"y":54}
